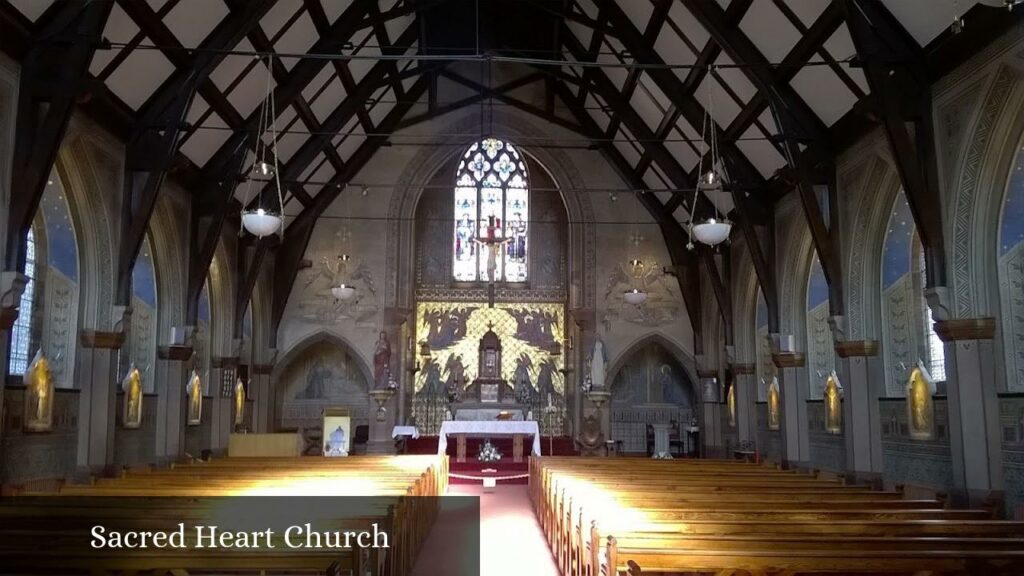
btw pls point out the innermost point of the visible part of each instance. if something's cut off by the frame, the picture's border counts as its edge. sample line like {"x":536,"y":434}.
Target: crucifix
{"x":492,"y":242}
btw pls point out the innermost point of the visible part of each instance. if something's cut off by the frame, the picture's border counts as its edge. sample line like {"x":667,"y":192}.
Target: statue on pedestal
{"x":39,"y":395}
{"x":382,"y":361}
{"x":195,"y":399}
{"x":132,"y":387}
{"x":597,"y":369}
{"x":239,"y":403}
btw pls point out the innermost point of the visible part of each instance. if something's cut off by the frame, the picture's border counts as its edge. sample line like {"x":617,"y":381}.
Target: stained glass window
{"x":21,"y":333}
{"x":492,"y":214}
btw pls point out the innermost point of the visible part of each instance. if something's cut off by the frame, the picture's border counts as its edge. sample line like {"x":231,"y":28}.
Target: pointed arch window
{"x":491,"y":201}
{"x":21,"y":332}
{"x":933,"y":344}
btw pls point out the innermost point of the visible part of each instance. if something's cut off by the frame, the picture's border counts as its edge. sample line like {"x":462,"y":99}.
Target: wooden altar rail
{"x":406,"y":521}
{"x":605,"y":517}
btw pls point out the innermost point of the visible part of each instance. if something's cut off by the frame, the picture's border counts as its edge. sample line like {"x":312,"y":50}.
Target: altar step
{"x":504,"y":471}
{"x":558,"y":446}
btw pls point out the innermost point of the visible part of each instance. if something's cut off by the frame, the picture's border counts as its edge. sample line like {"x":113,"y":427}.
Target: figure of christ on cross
{"x":492,"y":243}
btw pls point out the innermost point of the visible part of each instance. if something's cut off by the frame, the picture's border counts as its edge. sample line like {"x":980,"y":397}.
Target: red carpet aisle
{"x":504,"y":470}
{"x":511,"y":542}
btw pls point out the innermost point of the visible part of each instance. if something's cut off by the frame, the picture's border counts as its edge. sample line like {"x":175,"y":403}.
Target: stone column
{"x":12,"y":285}
{"x":974,"y":435}
{"x":793,"y":429}
{"x":222,"y":389}
{"x":711,"y":410}
{"x":860,"y":371}
{"x":745,"y":380}
{"x":172,"y":401}
{"x":262,"y":398}
{"x":97,"y":408}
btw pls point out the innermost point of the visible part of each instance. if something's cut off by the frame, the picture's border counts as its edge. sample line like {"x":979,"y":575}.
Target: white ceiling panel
{"x":824,"y":92}
{"x":379,"y":111}
{"x":232,"y":66}
{"x":769,"y":30}
{"x":723,"y":108}
{"x":648,"y":84}
{"x":760,"y":152}
{"x":767,"y":119}
{"x":674,"y":51}
{"x":121,"y":29}
{"x":588,"y":7}
{"x":335,"y":8}
{"x":203,"y":143}
{"x":582,"y":32}
{"x":653,"y":181}
{"x":639,"y":12}
{"x":693,"y":29}
{"x":396,"y":26}
{"x":807,"y":10}
{"x":314,"y":165}
{"x":840,"y":46}
{"x":139,"y":76}
{"x":735,"y":78}
{"x":31,"y":9}
{"x":323,"y":174}
{"x":278,"y":16}
{"x":192,"y":20}
{"x":359,"y":67}
{"x":297,"y":39}
{"x":328,"y":100}
{"x":681,"y":151}
{"x":349,"y":146}
{"x":687,"y":131}
{"x":646,"y":108}
{"x":288,"y":144}
{"x":616,"y":74}
{"x":156,"y":5}
{"x":196,"y":111}
{"x":628,"y":149}
{"x":252,"y":90}
{"x":926,"y":19}
{"x":313,"y":88}
{"x":599,"y":116}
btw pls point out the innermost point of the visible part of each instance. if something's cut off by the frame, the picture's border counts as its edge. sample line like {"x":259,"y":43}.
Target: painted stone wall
{"x":1011,"y":420}
{"x":136,"y":445}
{"x":38,"y":455}
{"x":769,"y":442}
{"x":828,"y":451}
{"x":915,"y":462}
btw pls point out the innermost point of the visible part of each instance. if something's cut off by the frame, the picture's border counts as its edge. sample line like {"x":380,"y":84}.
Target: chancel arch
{"x":1010,"y":254}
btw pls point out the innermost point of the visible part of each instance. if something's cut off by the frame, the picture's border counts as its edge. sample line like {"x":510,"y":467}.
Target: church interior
{"x":723,"y":287}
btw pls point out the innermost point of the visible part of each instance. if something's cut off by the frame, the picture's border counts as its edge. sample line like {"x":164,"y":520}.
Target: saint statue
{"x":597,"y":366}
{"x":773,"y":404}
{"x":336,"y":443}
{"x":731,"y":401}
{"x":132,"y":388}
{"x":382,"y":361}
{"x":39,"y":395}
{"x":239,"y":403}
{"x":833,"y":405}
{"x":919,"y":403}
{"x":195,"y":399}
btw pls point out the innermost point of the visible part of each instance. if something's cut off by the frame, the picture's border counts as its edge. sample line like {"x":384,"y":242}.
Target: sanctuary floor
{"x":511,"y":541}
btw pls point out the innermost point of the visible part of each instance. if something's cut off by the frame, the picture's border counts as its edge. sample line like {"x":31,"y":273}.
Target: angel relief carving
{"x":316,"y":302}
{"x":663,"y":299}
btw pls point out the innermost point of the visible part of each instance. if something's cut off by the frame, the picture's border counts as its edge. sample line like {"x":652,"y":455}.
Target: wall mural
{"x":1011,"y":276}
{"x":663,"y":302}
{"x":528,"y":333}
{"x":325,"y":375}
{"x":316,"y":303}
{"x":650,"y":388}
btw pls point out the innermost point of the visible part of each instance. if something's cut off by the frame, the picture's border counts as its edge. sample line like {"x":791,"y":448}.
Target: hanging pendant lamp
{"x":715,"y":229}
{"x":261,"y":220}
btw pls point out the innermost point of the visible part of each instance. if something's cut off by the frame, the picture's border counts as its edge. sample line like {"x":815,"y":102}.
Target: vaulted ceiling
{"x":632,"y":78}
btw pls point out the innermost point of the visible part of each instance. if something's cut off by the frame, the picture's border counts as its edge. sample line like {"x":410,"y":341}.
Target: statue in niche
{"x":730,"y":399}
{"x":597,"y":369}
{"x":382,"y":361}
{"x":195,"y":399}
{"x":920,"y":408}
{"x":39,"y":395}
{"x":833,"y":405}
{"x":132,"y":388}
{"x":774,"y":408}
{"x":239,"y":403}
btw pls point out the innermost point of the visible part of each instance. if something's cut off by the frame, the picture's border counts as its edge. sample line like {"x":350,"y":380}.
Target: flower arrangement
{"x":488,"y":453}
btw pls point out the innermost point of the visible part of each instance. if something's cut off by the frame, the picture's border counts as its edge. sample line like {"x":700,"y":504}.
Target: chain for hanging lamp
{"x":715,"y":229}
{"x":635,"y":295}
{"x":264,"y":220}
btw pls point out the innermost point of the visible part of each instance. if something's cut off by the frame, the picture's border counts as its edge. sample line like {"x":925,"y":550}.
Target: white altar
{"x":485,"y":414}
{"x":487,"y":429}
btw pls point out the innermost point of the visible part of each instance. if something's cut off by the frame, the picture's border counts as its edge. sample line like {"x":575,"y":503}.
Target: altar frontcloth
{"x":487,"y":428}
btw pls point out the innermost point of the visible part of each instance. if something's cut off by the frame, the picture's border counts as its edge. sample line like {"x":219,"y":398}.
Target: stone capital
{"x":855,"y":348}
{"x":782,"y":343}
{"x":744,"y":368}
{"x":966,"y":329}
{"x":101,"y":339}
{"x":839,"y":327}
{"x":788,"y":359}
{"x":179,"y":352}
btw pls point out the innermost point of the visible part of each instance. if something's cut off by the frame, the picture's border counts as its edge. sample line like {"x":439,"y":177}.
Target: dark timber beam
{"x":297,"y":234}
{"x":896,"y":70}
{"x":54,"y":73}
{"x":150,"y":151}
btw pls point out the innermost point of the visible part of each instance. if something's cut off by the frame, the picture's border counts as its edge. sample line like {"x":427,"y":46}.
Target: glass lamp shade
{"x":635,"y":296}
{"x":343,"y":292}
{"x":712,"y":232}
{"x":260,"y":222}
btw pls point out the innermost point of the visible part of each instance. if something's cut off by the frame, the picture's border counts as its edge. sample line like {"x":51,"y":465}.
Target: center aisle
{"x":511,"y":541}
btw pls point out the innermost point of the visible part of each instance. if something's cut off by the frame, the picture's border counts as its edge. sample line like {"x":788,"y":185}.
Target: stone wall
{"x":26,"y":456}
{"x":828,"y":452}
{"x":1011,"y":418}
{"x":908,"y":461}
{"x":769,"y":442}
{"x":134,"y":446}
